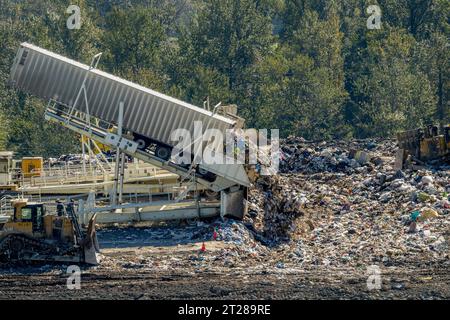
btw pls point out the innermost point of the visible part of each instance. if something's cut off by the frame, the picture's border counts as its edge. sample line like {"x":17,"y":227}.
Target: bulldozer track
{"x":30,"y":247}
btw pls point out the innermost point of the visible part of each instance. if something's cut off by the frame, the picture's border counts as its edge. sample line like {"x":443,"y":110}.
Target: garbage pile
{"x":303,"y":156}
{"x":276,"y":207}
{"x":231,"y":231}
{"x":343,"y":203}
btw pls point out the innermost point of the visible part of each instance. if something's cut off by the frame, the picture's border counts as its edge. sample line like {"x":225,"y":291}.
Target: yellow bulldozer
{"x":423,"y":145}
{"x":33,"y":234}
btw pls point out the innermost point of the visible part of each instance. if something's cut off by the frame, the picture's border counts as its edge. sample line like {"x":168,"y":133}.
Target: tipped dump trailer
{"x":76,"y":92}
{"x":150,"y":116}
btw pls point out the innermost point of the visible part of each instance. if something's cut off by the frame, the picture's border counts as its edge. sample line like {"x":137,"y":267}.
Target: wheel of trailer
{"x":16,"y":245}
{"x":142,"y":144}
{"x":192,"y":222}
{"x":211,"y":195}
{"x":206,"y":174}
{"x":163,"y":152}
{"x":202,"y":171}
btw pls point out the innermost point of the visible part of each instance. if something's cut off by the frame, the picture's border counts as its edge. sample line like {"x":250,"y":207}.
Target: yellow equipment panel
{"x":63,"y":224}
{"x":23,"y":227}
{"x":32,"y":166}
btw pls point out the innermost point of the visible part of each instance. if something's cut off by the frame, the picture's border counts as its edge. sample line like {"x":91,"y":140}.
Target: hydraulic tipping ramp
{"x":227,"y":175}
{"x":231,"y":180}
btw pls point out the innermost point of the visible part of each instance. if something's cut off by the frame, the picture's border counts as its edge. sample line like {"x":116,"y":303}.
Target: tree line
{"x":310,"y":68}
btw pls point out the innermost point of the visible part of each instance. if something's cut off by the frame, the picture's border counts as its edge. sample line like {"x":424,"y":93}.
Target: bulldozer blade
{"x":91,"y":256}
{"x":90,"y":244}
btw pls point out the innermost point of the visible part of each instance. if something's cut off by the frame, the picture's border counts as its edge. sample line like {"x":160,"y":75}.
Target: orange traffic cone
{"x":203,"y":248}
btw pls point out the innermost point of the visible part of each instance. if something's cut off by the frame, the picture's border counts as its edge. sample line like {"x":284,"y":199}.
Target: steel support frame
{"x":99,"y":135}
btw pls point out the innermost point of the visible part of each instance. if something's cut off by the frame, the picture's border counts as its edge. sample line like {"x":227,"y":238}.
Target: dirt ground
{"x":180,"y":271}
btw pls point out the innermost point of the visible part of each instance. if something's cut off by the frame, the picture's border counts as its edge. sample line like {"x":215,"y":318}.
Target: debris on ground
{"x":343,"y":204}
{"x":334,"y":209}
{"x":328,"y":209}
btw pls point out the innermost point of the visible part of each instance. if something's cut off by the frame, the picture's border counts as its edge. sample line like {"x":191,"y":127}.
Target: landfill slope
{"x":336,"y":212}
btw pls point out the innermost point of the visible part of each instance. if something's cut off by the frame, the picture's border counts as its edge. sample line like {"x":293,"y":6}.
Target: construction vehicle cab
{"x":30,"y":216}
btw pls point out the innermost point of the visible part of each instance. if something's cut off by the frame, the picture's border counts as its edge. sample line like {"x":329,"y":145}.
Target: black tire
{"x":202,"y":171}
{"x":192,"y":222}
{"x":206,"y":174}
{"x":211,"y":176}
{"x":211,"y":195}
{"x":142,"y":144}
{"x":163,"y":152}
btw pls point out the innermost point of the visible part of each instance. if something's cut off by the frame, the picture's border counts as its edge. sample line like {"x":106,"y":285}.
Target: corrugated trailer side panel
{"x":147,"y":112}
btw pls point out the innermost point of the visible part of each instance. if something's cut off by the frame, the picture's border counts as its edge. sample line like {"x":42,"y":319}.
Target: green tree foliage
{"x":433,"y":59}
{"x":133,"y":45}
{"x":230,"y":36}
{"x":419,"y":17}
{"x":225,"y":41}
{"x":307,"y":93}
{"x":397,"y":94}
{"x":4,"y":127}
{"x":307,"y":67}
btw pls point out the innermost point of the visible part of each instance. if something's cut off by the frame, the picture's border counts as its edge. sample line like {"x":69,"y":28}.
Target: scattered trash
{"x":360,"y":156}
{"x":412,"y":227}
{"x":415,"y":215}
{"x":423,"y":197}
{"x":350,"y":212}
{"x":398,"y":286}
{"x":427,"y":213}
{"x":324,"y":209}
{"x":427,"y":180}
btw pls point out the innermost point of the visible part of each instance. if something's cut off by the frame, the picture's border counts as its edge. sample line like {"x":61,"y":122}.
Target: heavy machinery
{"x":424,"y":145}
{"x":91,"y":102}
{"x":33,"y":234}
